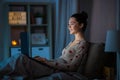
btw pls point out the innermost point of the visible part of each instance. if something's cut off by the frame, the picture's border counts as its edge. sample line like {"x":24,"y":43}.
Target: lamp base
{"x":118,"y":66}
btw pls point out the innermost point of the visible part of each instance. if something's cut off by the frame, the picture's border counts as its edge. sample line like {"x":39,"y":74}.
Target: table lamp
{"x":113,"y":45}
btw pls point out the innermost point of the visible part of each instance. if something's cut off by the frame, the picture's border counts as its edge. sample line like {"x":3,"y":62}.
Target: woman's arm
{"x":38,"y":58}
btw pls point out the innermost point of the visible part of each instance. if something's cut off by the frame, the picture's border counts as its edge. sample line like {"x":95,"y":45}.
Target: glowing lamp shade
{"x":14,"y":42}
{"x":112,"y":41}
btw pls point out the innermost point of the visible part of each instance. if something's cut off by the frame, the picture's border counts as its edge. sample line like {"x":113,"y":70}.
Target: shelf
{"x":19,"y":25}
{"x":34,"y":25}
{"x":39,"y":29}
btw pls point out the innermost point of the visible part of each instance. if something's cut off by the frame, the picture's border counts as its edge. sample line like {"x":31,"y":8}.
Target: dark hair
{"x":81,"y":18}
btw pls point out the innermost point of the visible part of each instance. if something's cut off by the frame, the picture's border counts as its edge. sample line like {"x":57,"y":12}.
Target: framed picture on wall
{"x":38,"y":38}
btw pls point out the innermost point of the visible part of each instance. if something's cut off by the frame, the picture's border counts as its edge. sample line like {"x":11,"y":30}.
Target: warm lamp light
{"x":113,"y":45}
{"x":14,"y":42}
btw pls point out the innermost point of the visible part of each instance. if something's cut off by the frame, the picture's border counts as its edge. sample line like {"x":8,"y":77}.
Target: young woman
{"x":72,"y":57}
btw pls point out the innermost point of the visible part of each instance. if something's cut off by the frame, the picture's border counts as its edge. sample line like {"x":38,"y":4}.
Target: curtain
{"x":64,"y":9}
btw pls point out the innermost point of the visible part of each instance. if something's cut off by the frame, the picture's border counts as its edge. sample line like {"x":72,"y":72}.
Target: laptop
{"x":25,"y":46}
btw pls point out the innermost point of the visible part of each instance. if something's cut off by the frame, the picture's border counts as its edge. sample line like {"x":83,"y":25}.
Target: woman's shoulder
{"x":84,"y":43}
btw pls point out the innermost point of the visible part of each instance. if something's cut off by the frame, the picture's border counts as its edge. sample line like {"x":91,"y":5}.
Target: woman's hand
{"x":38,"y":58}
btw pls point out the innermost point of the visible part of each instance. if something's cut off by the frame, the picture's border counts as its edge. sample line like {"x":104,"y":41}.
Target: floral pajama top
{"x":72,"y":57}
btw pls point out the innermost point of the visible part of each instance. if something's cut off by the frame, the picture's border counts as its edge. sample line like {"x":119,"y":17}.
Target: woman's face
{"x":73,"y":26}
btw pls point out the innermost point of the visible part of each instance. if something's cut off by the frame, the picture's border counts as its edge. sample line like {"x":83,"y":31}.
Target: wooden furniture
{"x":35,"y":19}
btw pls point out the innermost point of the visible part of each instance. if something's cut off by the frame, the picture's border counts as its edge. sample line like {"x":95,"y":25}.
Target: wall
{"x":1,"y":31}
{"x":102,"y":17}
